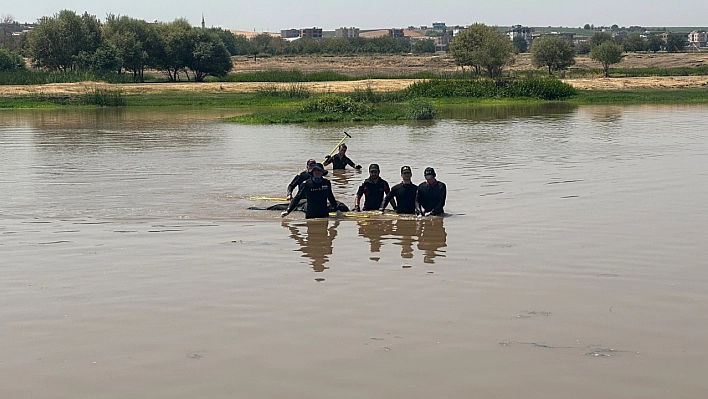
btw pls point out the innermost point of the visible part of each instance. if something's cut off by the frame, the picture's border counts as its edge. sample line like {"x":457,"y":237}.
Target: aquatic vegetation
{"x":541,"y":88}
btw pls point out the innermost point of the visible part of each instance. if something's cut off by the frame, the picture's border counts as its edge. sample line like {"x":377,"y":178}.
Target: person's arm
{"x":300,"y":195}
{"x":387,"y":198}
{"x":389,"y":193}
{"x":327,"y":160}
{"x":352,"y":164}
{"x":438,"y":210}
{"x":357,"y":199}
{"x":296,"y":182}
{"x":332,"y":200}
{"x":418,"y":210}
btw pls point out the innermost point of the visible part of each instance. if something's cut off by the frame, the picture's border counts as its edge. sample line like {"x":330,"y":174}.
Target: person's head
{"x":342,"y":149}
{"x":317,"y":171}
{"x":374,"y":171}
{"x":310,"y":162}
{"x":406,"y":173}
{"x":429,"y":174}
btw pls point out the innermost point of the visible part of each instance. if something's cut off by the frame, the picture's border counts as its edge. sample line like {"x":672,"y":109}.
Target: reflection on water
{"x":315,"y":241}
{"x":496,"y":112}
{"x":315,"y":237}
{"x":342,"y":181}
{"x":374,"y":231}
{"x":428,"y":233}
{"x":604,"y":114}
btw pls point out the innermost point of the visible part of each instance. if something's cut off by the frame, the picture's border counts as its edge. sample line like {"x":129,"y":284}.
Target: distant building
{"x":698,"y":38}
{"x":457,"y":30}
{"x":438,"y":25}
{"x":424,"y":27}
{"x":521,"y":31}
{"x":346,"y":32}
{"x":289,"y":33}
{"x":665,"y":36}
{"x":315,"y":33}
{"x":395,"y":32}
{"x":442,"y":43}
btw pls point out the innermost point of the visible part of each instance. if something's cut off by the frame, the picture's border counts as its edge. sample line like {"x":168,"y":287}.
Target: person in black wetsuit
{"x":317,"y":191}
{"x":430,"y":199}
{"x":374,"y":189}
{"x":340,"y":160}
{"x":402,"y":195}
{"x":301,"y":178}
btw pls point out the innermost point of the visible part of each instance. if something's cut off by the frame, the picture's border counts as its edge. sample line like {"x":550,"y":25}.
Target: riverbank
{"x":379,"y":85}
{"x":664,"y":89}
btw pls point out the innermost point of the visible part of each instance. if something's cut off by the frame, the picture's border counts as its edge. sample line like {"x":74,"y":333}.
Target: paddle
{"x":267,"y":198}
{"x":337,"y":146}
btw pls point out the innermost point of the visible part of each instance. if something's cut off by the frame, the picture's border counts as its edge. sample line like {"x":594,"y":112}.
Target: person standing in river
{"x":317,"y":191}
{"x":340,"y":160}
{"x":301,"y":178}
{"x":374,"y":189}
{"x":402,"y":195}
{"x":430,"y":198}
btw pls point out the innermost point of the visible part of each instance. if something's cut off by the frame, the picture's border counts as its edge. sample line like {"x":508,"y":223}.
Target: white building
{"x":346,"y":32}
{"x":698,"y":38}
{"x":521,"y":31}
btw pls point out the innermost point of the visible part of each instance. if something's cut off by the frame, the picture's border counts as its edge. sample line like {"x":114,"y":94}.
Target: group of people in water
{"x":426,"y":199}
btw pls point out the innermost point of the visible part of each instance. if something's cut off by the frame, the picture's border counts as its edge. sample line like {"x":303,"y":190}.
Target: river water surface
{"x":573,"y":262}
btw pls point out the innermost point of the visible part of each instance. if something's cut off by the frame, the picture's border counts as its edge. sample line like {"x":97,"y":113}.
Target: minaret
{"x":203,"y":25}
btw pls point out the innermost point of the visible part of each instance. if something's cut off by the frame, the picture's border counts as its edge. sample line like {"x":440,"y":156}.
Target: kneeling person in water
{"x":317,"y":191}
{"x":402,"y":195}
{"x":430,"y":199}
{"x":373,"y":188}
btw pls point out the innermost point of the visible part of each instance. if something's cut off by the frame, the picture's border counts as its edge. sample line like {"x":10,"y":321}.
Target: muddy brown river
{"x":573,"y":262}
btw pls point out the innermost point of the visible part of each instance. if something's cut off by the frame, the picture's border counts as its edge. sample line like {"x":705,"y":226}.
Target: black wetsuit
{"x":431,"y":198}
{"x":317,"y":195}
{"x":339,"y":163}
{"x":405,"y":198}
{"x":298,"y":181}
{"x":374,"y":193}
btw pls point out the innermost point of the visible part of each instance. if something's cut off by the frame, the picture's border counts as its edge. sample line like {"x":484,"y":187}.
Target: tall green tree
{"x":173,"y":49}
{"x":483,"y":48}
{"x":600,"y":37}
{"x":675,"y":43}
{"x":554,"y":52}
{"x":132,"y":38}
{"x":607,"y":53}
{"x":521,"y":44}
{"x":228,"y":38}
{"x":242,"y":45}
{"x":10,"y":61}
{"x":634,"y":42}
{"x":57,"y":41}
{"x":654,"y":43}
{"x":424,"y":46}
{"x":7,"y":21}
{"x":209,"y":55}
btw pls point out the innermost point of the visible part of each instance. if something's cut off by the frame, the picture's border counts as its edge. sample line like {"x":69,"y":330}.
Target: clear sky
{"x":274,"y":15}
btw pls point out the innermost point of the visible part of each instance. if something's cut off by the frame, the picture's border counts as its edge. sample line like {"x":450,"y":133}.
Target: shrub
{"x":10,"y":61}
{"x":292,"y":91}
{"x":336,"y":104}
{"x":421,"y":109}
{"x":103,"y":98}
{"x":546,"y":89}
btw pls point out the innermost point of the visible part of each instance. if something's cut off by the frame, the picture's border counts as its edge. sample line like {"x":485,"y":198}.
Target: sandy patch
{"x":387,"y":65}
{"x":145,"y":88}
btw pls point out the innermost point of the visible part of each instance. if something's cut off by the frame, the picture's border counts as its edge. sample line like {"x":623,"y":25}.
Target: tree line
{"x":487,"y":50}
{"x":67,"y":41}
